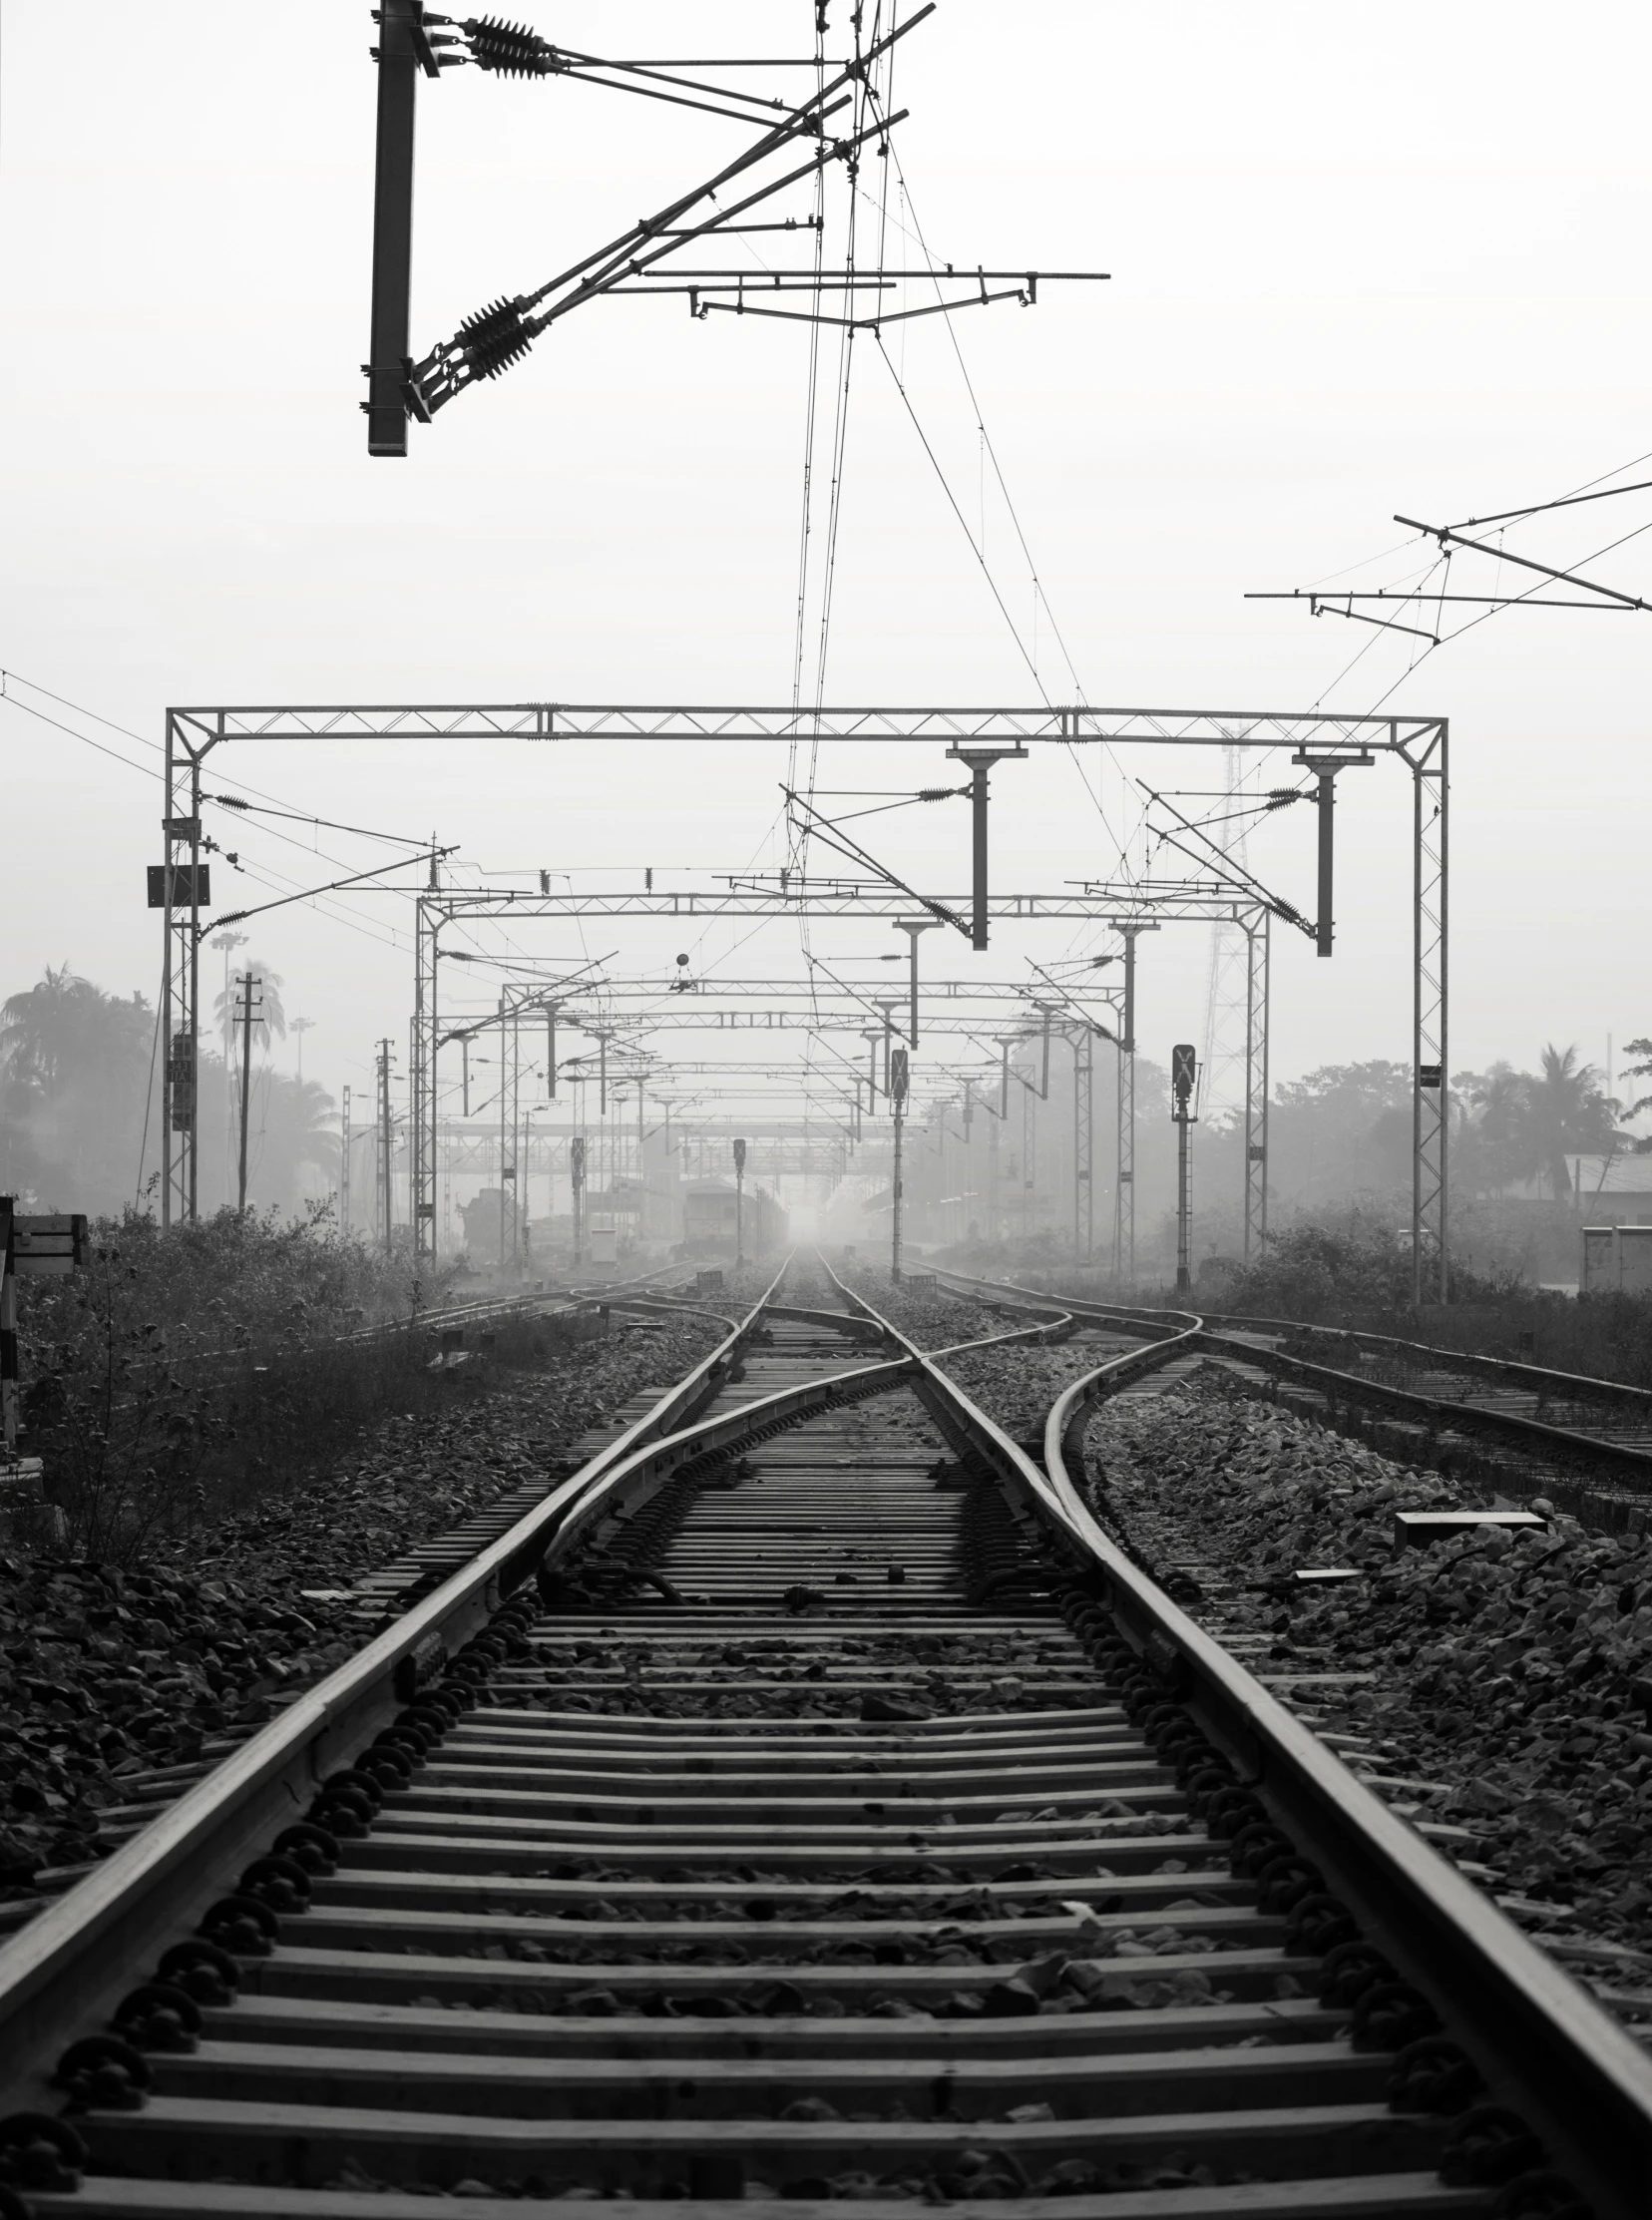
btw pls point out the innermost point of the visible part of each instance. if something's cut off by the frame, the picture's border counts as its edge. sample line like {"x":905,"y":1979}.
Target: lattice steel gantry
{"x":1419,"y":742}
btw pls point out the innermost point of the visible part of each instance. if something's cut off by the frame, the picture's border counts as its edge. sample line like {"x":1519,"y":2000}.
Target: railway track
{"x":802,"y":1800}
{"x":1523,"y":1430}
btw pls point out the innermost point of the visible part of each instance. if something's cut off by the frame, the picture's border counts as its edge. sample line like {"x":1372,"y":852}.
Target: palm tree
{"x":291,"y":1127}
{"x":266,"y":996}
{"x":1565,"y":1111}
{"x":1502,"y":1138}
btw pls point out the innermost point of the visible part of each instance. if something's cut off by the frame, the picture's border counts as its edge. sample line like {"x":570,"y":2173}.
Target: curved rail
{"x":1537,"y":1437}
{"x":1548,"y":2048}
{"x":1547,"y":2054}
{"x":1578,"y":1386}
{"x":55,"y":1972}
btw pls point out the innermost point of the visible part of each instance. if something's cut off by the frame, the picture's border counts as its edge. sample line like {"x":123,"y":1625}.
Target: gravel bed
{"x":1511,"y":1674}
{"x":1018,"y":1385}
{"x":110,"y":1677}
{"x":963,"y":1672}
{"x":929,"y":1320}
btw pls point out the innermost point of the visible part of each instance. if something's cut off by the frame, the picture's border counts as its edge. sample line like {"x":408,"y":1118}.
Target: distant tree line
{"x":80,"y":1108}
{"x":1346,"y":1129}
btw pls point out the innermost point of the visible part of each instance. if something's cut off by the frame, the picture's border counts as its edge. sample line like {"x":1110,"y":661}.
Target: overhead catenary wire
{"x":989,"y":451}
{"x":798,"y":842}
{"x":7,"y":676}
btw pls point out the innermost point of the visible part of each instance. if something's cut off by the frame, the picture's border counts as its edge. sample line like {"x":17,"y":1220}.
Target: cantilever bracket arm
{"x":491,"y":340}
{"x":308,"y":893}
{"x":823,"y":829}
{"x":488,"y":341}
{"x":1449,"y":539}
{"x":1251,"y":887}
{"x":1026,"y":292}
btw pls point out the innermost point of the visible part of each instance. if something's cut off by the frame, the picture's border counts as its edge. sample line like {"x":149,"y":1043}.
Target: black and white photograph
{"x":825,"y":1110}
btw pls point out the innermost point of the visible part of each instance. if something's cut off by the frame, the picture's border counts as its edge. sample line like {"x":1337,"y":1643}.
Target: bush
{"x":191,"y":1359}
{"x":1352,"y":1273}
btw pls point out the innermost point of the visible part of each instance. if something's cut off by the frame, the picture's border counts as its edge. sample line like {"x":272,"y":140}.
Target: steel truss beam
{"x":561,"y":720}
{"x":821,"y":898}
{"x":1421,"y":742}
{"x":673,"y":1018}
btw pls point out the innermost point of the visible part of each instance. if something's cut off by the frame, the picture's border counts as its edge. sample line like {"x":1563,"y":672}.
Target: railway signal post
{"x":899,"y":1078}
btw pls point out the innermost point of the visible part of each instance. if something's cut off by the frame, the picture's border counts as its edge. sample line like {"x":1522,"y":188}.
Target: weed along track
{"x":804,"y":1801}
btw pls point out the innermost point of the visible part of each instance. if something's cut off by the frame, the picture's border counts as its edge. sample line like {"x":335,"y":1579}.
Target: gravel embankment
{"x":931,"y":1321}
{"x":106,"y":1676}
{"x":1511,"y":1676}
{"x":1018,"y":1385}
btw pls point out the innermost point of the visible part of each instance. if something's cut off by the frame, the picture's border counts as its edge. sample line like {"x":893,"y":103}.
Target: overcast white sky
{"x":1362,"y":260}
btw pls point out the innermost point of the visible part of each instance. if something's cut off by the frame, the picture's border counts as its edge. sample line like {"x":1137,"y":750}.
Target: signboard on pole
{"x":192,"y":886}
{"x":49,"y":1247}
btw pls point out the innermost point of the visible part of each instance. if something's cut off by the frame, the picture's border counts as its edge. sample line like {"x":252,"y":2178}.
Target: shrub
{"x":191,"y":1358}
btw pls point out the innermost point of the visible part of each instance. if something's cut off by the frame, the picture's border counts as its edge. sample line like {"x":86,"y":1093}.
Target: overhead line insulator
{"x":494,"y":338}
{"x":510,"y":49}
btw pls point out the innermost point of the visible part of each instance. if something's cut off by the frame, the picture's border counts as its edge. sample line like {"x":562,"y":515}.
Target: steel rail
{"x":1531,"y":1434}
{"x":66,"y":1967}
{"x":1536,"y":1435}
{"x":1594,"y":2106}
{"x":1547,"y":2049}
{"x":1580,"y":1387}
{"x":1152,"y":1324}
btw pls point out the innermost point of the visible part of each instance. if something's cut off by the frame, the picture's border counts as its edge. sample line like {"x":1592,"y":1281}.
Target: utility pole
{"x":871,"y":1039}
{"x":402,"y":50}
{"x":739,"y":1203}
{"x":1183,"y":1074}
{"x":344,"y":1166}
{"x":577,"y":1180}
{"x":507,"y":1127}
{"x":899,"y":1076}
{"x":911,"y":927}
{"x":227,"y":941}
{"x":888,"y":1005}
{"x":1083,"y":1143}
{"x":301,"y":1026}
{"x":523,"y":1184}
{"x":1124,"y":1193}
{"x":386,"y":1188}
{"x":979,"y":761}
{"x":1324,"y":768}
{"x":246,"y":1010}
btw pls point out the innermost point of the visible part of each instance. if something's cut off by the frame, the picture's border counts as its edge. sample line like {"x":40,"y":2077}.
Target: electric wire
{"x":17,"y":703}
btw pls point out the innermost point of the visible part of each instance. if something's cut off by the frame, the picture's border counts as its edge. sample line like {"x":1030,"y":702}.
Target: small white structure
{"x":1616,"y":1259}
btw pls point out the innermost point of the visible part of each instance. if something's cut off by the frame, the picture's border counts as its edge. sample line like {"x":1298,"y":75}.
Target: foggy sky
{"x":1363,"y":262}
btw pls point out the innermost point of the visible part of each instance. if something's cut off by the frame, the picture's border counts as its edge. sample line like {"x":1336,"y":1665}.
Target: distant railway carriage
{"x":708,"y":1220}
